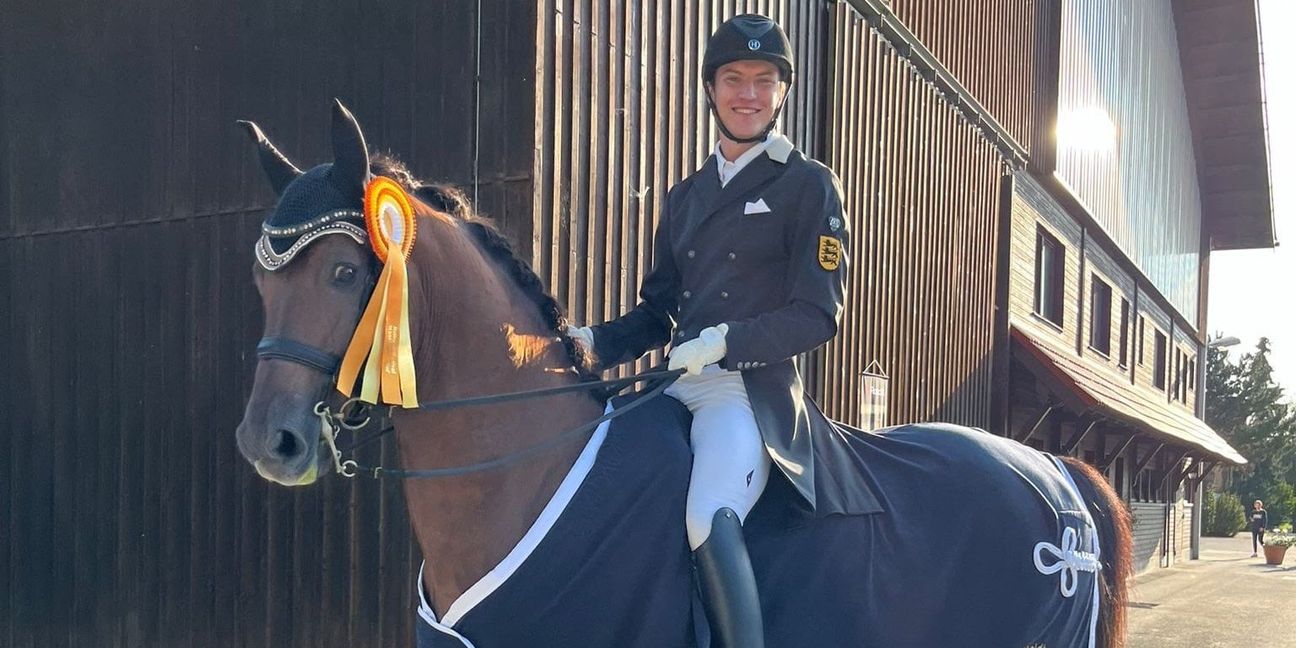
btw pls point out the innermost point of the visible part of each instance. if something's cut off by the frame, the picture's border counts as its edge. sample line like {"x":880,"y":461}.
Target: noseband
{"x":281,"y":348}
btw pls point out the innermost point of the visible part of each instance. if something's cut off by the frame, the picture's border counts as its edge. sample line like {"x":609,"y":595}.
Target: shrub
{"x":1280,"y":539}
{"x":1223,"y":516}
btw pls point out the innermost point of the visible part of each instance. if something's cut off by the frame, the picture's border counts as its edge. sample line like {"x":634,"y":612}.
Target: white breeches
{"x":730,"y":464}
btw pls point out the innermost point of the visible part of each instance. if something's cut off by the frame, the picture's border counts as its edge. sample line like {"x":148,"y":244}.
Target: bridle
{"x":351,"y":415}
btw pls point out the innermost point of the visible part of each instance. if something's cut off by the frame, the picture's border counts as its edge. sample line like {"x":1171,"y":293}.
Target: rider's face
{"x":745,"y":94}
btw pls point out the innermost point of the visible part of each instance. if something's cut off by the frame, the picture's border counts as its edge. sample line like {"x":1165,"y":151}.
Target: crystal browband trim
{"x":271,"y":260}
{"x":313,"y":224}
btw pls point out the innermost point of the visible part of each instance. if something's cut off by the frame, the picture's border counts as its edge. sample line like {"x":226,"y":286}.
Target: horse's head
{"x":313,"y":287}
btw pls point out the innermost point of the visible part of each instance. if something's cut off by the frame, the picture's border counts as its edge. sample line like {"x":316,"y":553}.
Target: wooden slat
{"x":1005,"y":31}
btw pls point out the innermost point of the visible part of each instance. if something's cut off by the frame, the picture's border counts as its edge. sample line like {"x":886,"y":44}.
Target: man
{"x":749,"y":272}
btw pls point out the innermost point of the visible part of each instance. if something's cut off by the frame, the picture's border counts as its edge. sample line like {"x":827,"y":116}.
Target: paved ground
{"x":1226,"y":599}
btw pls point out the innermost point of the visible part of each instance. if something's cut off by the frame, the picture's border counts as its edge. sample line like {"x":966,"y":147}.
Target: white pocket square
{"x":758,"y":207}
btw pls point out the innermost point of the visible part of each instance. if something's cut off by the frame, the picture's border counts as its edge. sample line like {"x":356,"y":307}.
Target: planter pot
{"x":1274,"y":554}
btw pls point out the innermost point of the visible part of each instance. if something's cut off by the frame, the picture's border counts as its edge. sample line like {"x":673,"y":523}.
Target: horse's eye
{"x":344,"y":273}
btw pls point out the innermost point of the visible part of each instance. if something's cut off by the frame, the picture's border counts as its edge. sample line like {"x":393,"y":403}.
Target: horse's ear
{"x":350,"y":155}
{"x":277,"y":167}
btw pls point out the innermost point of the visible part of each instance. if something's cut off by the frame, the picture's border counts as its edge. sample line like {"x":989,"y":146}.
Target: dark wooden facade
{"x":922,"y":193}
{"x":620,"y":119}
{"x":129,"y":203}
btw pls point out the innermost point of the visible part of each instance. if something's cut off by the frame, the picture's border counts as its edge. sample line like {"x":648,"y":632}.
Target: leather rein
{"x":331,"y":423}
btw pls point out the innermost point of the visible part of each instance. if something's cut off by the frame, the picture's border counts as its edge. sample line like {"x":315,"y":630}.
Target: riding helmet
{"x":745,"y":38}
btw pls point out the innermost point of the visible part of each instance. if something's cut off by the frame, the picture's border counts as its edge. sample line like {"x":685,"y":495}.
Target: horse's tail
{"x":1112,"y":519}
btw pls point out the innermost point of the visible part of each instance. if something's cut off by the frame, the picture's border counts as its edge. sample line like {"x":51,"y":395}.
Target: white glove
{"x":707,"y":348}
{"x":584,"y":337}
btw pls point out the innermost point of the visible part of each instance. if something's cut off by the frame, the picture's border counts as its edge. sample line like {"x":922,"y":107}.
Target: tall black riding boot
{"x":729,"y":585}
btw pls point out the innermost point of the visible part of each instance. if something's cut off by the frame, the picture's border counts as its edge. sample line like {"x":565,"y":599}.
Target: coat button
{"x":691,"y":254}
{"x":724,"y":295}
{"x":732,"y":256}
{"x":687,"y":294}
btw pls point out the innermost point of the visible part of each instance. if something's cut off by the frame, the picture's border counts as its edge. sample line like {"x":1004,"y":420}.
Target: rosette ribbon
{"x":380,"y":354}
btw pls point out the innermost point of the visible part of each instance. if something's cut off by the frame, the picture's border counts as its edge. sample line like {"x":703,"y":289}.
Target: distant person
{"x":1259,"y":522}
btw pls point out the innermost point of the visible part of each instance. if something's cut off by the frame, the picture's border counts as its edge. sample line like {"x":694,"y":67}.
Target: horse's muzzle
{"x":283,"y":442}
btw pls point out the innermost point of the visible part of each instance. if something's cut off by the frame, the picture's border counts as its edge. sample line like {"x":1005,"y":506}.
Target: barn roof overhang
{"x":1223,"y":76}
{"x":1087,"y":390}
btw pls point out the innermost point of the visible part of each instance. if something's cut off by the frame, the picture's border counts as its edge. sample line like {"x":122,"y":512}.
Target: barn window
{"x":1124,"y":333}
{"x":1159,"y":362}
{"x":1050,"y":262}
{"x":1100,"y":297}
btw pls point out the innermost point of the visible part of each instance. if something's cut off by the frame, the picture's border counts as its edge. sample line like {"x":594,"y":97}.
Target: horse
{"x":980,"y":541}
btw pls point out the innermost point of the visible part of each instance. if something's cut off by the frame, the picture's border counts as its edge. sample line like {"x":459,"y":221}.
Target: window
{"x":1140,"y":339}
{"x":1100,"y":298}
{"x":1178,"y":375}
{"x":1192,"y":374}
{"x":1124,"y":333}
{"x":1050,"y":263}
{"x":1119,"y":484}
{"x":1159,"y":362}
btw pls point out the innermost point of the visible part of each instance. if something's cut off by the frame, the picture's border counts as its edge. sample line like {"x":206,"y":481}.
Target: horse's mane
{"x":450,"y":200}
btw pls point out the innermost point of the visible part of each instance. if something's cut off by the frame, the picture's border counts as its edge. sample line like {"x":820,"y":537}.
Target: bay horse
{"x":981,"y":541}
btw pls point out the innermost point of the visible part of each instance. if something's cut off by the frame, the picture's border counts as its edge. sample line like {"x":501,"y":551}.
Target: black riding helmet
{"x":749,"y":37}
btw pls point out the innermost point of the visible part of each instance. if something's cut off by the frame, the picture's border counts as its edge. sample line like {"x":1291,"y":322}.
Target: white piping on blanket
{"x":1071,"y":560}
{"x":522,"y":550}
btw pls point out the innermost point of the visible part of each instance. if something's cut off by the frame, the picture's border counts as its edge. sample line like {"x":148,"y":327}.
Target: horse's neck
{"x":482,"y":336}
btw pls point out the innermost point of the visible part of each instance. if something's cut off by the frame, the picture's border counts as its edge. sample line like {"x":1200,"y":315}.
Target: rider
{"x":748,"y":272}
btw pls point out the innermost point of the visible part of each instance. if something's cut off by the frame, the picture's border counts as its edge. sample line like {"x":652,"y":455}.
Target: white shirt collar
{"x":729,"y":169}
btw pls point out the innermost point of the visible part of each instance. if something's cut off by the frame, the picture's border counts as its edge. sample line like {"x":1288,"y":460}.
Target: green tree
{"x":1248,"y":409}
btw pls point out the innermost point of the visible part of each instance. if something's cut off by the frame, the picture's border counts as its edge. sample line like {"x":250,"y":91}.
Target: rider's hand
{"x":584,"y":337}
{"x":707,"y":348}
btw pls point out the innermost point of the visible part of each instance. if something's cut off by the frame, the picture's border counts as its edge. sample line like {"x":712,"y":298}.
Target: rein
{"x":331,"y":424}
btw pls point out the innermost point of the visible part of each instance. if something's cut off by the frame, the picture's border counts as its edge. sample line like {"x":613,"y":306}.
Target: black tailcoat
{"x":766,"y":254}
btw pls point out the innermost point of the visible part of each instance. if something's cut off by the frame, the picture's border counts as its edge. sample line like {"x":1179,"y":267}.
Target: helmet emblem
{"x":753,"y":44}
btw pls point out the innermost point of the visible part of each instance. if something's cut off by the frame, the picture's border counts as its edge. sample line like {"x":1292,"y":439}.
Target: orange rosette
{"x":389,"y":217}
{"x":380,"y":355}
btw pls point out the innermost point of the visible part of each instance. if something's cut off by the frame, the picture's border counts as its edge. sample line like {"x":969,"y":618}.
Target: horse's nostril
{"x":288,"y":445}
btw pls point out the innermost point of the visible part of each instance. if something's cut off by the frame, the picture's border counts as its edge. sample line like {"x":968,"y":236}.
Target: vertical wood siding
{"x":129,"y":203}
{"x":127,"y":316}
{"x":922,"y":194}
{"x":621,"y":118}
{"x":965,"y":34}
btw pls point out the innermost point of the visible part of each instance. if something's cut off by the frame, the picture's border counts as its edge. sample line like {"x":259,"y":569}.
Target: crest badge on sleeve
{"x":829,"y":253}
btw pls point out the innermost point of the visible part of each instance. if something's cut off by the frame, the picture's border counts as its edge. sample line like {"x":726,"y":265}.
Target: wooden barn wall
{"x":129,"y":203}
{"x":621,"y":120}
{"x":965,"y":35}
{"x":1149,"y":534}
{"x":922,"y":195}
{"x":1033,"y":211}
{"x":621,"y":117}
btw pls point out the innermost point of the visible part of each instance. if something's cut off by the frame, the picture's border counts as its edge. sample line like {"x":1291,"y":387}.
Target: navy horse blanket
{"x":981,"y":541}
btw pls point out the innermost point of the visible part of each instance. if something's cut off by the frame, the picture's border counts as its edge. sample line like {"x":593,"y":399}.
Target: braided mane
{"x":451,"y":201}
